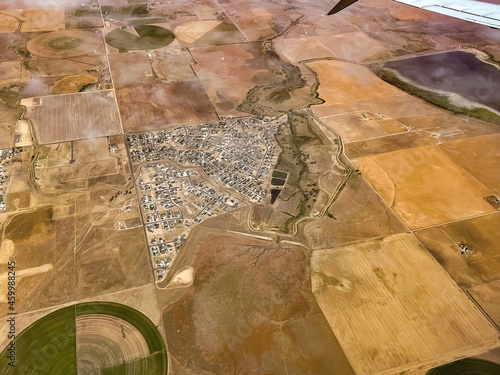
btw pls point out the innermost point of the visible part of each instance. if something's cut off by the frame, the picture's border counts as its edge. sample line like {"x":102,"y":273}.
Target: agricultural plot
{"x":342,"y":82}
{"x":424,"y":186}
{"x":65,"y":43}
{"x":353,"y":46}
{"x":61,"y":118}
{"x":98,"y":334}
{"x":468,"y":250}
{"x":228,"y":72}
{"x":210,"y":32}
{"x":161,"y":105}
{"x":480,"y":156}
{"x":394,"y":309}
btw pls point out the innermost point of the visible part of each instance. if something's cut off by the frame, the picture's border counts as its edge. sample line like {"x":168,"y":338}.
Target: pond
{"x":457,"y":72}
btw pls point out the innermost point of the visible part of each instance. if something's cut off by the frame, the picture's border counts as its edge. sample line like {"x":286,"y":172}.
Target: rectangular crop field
{"x":62,"y":118}
{"x":394,"y":309}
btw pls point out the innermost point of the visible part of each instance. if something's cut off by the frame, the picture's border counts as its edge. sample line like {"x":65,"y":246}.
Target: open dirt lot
{"x":424,"y":186}
{"x":394,"y":308}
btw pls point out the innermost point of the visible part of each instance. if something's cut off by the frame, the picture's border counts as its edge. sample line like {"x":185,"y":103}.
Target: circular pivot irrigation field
{"x":148,"y":37}
{"x":64,"y":43}
{"x":88,"y":338}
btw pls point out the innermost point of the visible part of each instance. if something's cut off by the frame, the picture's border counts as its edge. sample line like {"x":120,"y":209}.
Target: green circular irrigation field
{"x":48,"y":346}
{"x":468,"y":366}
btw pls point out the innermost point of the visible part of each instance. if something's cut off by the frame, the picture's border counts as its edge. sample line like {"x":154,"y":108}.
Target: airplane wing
{"x":470,"y":10}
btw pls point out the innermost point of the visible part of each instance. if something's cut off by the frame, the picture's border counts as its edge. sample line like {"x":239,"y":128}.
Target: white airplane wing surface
{"x":469,"y":10}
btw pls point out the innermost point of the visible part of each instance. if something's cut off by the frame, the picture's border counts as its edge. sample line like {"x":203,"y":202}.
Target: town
{"x":5,"y":164}
{"x":191,"y":173}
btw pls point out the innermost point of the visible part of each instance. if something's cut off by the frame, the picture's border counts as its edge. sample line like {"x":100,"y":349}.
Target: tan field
{"x":482,"y":235}
{"x":424,"y":186}
{"x":173,"y":68}
{"x":72,"y":84}
{"x":353,"y":126}
{"x":480,"y":156}
{"x":394,"y":309}
{"x":355,"y":46}
{"x":447,"y":253}
{"x":108,"y":340}
{"x":65,"y":43}
{"x":130,"y":69}
{"x":162,"y":105}
{"x":353,"y":218}
{"x":98,"y":108}
{"x":43,"y":20}
{"x":487,"y":296}
{"x":12,"y":72}
{"x":9,"y":21}
{"x":190,"y":32}
{"x":342,"y":82}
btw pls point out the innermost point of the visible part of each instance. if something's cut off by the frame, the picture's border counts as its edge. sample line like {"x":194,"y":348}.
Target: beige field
{"x":12,"y":72}
{"x":399,"y":106}
{"x":480,"y":156}
{"x":359,"y":214}
{"x":23,"y":136}
{"x":43,"y":20}
{"x":342,"y":82}
{"x":130,"y":69}
{"x":104,"y":340}
{"x":74,"y":43}
{"x":190,"y":32}
{"x":354,"y":46}
{"x":447,"y":253}
{"x":483,"y":236}
{"x":52,"y":124}
{"x":394,"y":309}
{"x":10,"y":69}
{"x":424,"y":186}
{"x":173,"y":68}
{"x":9,"y":21}
{"x":352,"y":126}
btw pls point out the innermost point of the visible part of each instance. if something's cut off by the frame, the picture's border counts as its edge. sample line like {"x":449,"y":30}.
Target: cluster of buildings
{"x":192,"y":173}
{"x":5,"y":163}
